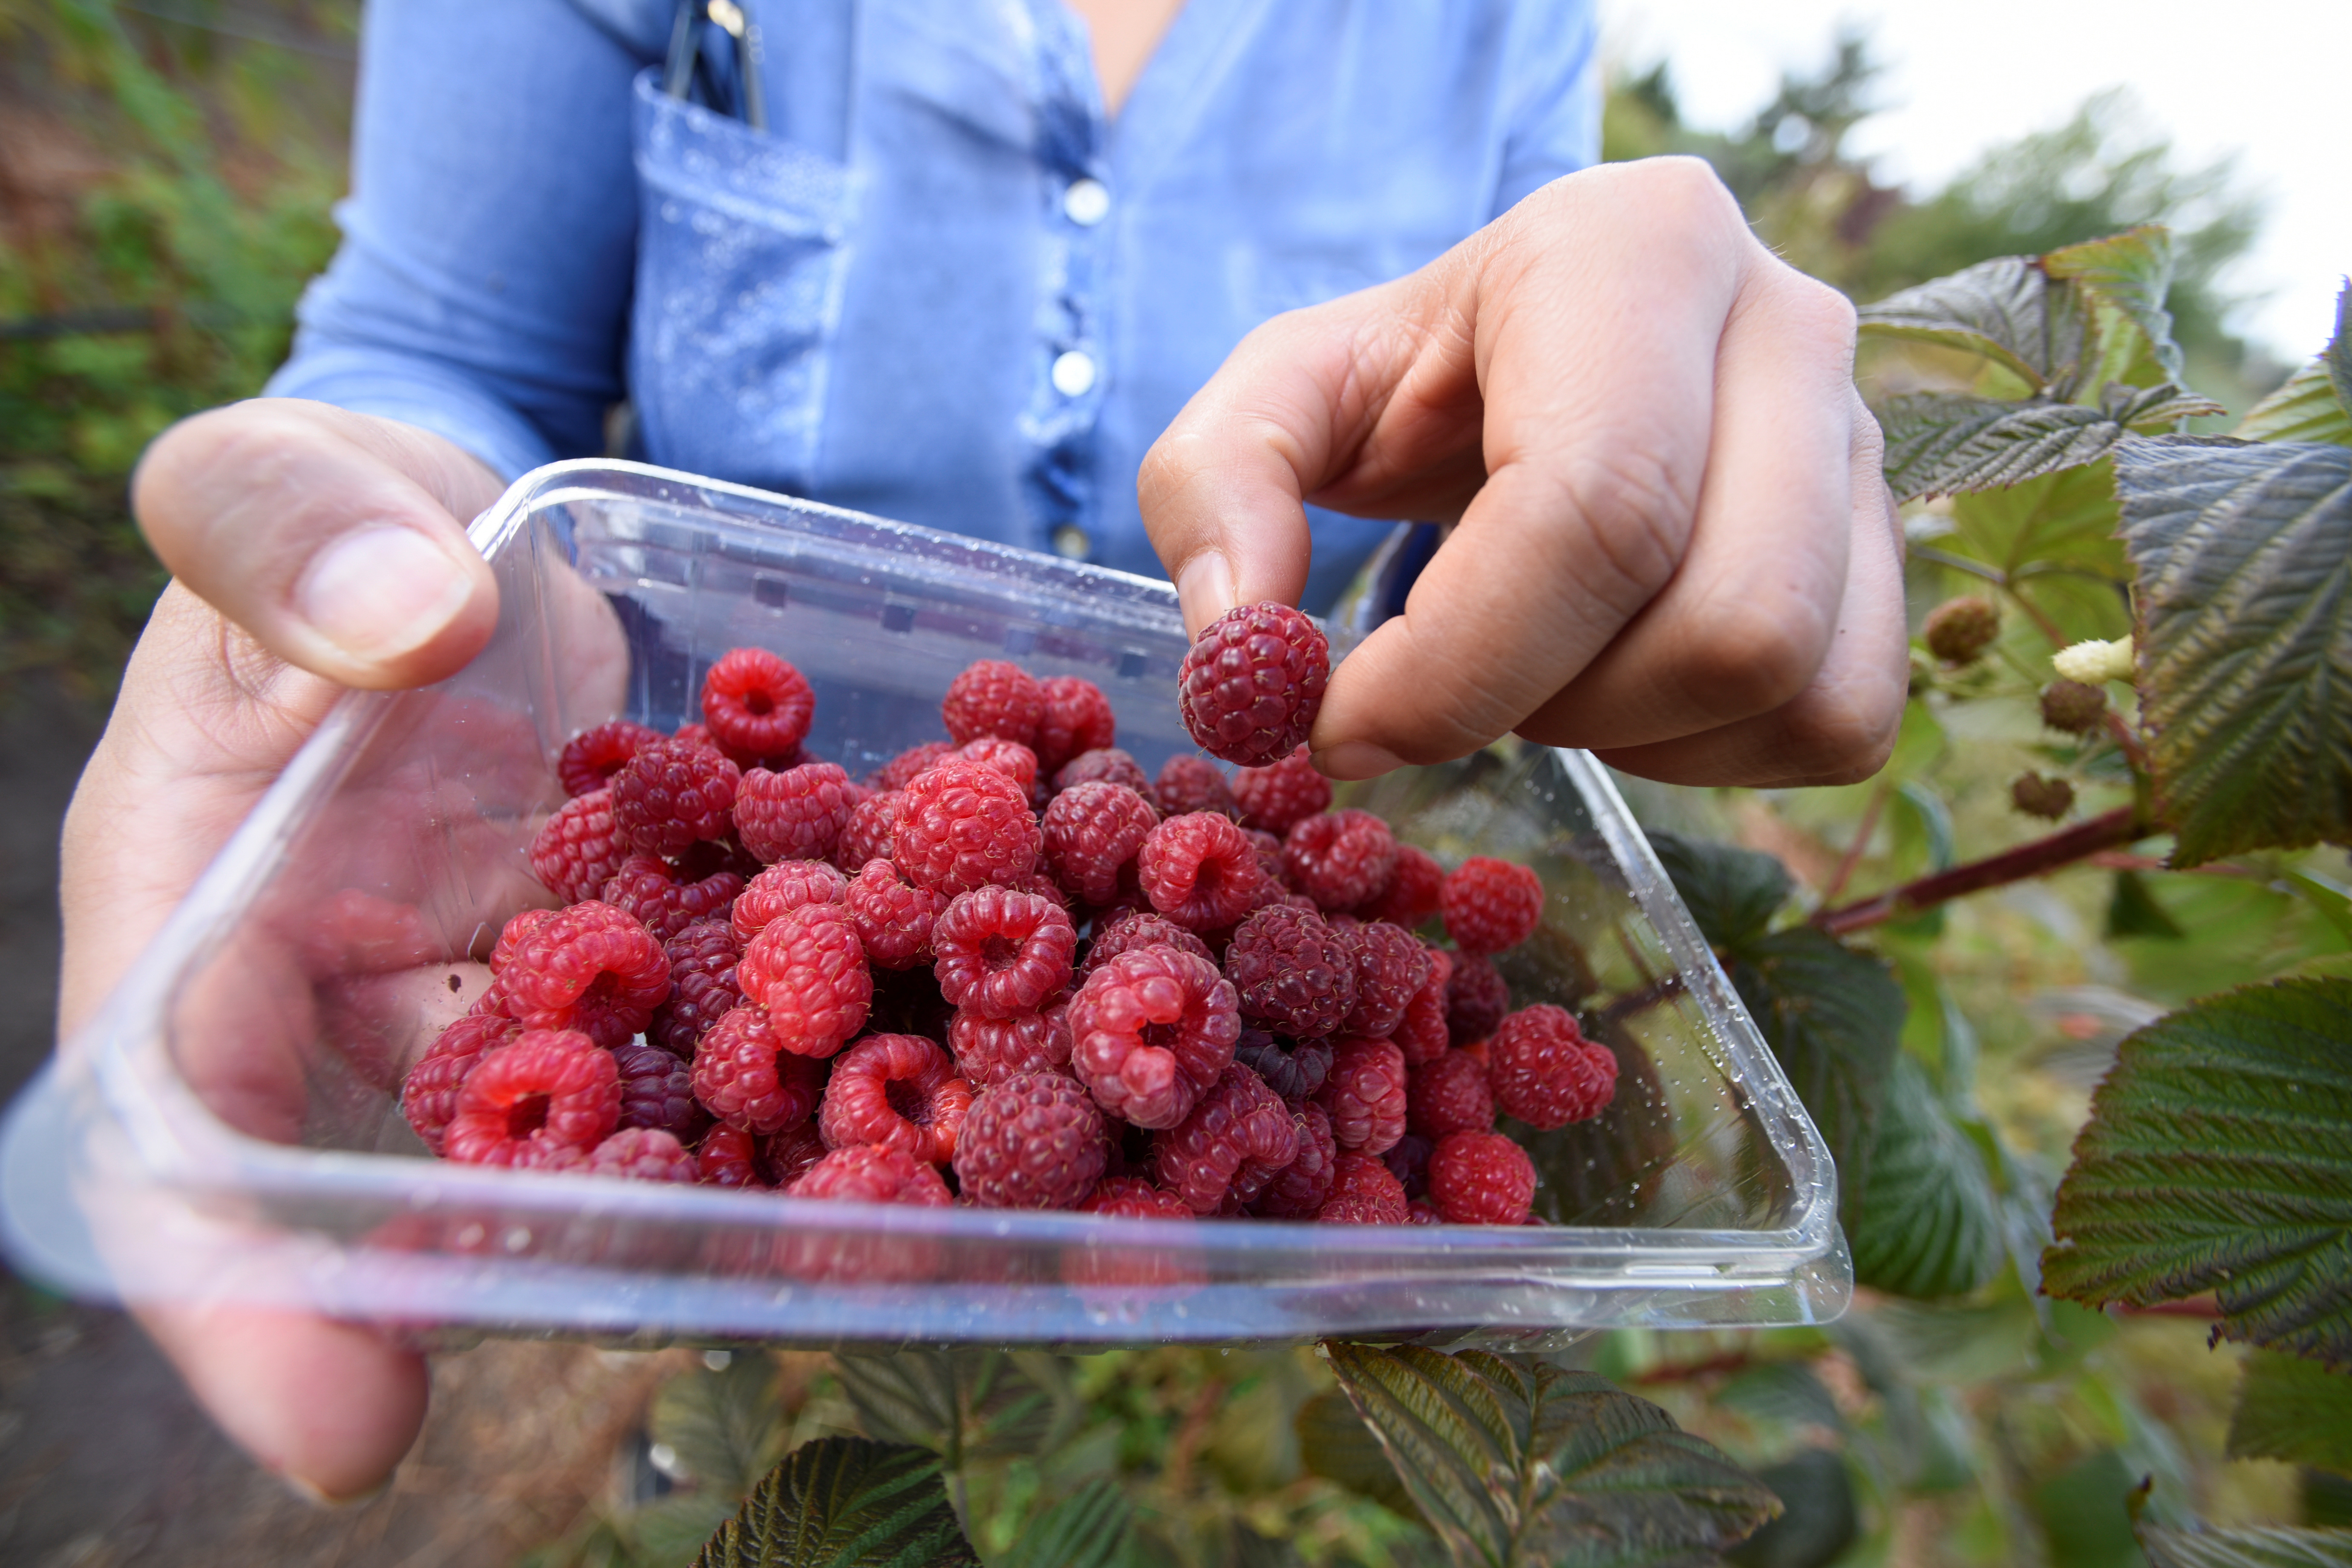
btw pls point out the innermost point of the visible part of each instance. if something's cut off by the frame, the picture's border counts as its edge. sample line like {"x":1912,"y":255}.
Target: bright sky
{"x":2263,"y":78}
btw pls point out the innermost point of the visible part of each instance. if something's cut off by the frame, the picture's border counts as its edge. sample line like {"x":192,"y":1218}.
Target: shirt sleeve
{"x":482,"y":287}
{"x":1554,"y":127}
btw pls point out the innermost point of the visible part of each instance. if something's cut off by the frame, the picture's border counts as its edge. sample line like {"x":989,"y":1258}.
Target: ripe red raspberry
{"x":1091,"y":831}
{"x":1132,"y":1197}
{"x":1491,"y":905}
{"x":579,"y":848}
{"x":1193,"y":784}
{"x":702,"y":987}
{"x":989,"y":1050}
{"x":1422,"y":1212}
{"x":1446,"y":1095}
{"x":965,"y":827}
{"x":993,"y":697}
{"x":1003,"y":953}
{"x":1294,"y":1072}
{"x":591,"y":757}
{"x":874,"y":1173}
{"x":1339,"y":859}
{"x":1011,"y":758}
{"x":590,"y":968}
{"x":807,"y":969}
{"x":1276,"y":797}
{"x":782,"y":887}
{"x":1077,"y":719}
{"x":1476,"y":999}
{"x":657,"y":1090}
{"x":1365,"y":1095}
{"x":512,"y":935}
{"x":544,"y":1099}
{"x":909,"y":765}
{"x":1235,"y":1141}
{"x":1545,"y":1072}
{"x":1252,"y":682}
{"x":671,"y":793}
{"x":1364,"y":1190}
{"x":757,"y":705}
{"x":1292,"y":972}
{"x":643,"y":1155}
{"x":1034,"y":1142}
{"x":1149,"y":1030}
{"x":728,"y":1157}
{"x":1421,"y":1035}
{"x":1391,"y":967}
{"x":894,"y":921}
{"x":796,"y":815}
{"x":1481,"y":1178}
{"x":428,"y":1095}
{"x":1300,"y":1188}
{"x":897,"y":1090}
{"x":1118,"y":1271}
{"x":697,"y":734}
{"x":871,"y":832}
{"x":1199,"y":870}
{"x":646,"y":890}
{"x":745,"y":1076}
{"x":1137,"y":930}
{"x":1106,"y":764}
{"x":1411,"y":894}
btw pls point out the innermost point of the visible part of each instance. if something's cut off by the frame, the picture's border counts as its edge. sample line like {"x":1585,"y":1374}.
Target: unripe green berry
{"x":2049,"y":799}
{"x":1959,"y":630}
{"x":2072,"y":707}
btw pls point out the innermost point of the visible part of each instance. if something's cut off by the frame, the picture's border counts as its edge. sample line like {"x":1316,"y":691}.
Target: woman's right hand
{"x":311,"y":550}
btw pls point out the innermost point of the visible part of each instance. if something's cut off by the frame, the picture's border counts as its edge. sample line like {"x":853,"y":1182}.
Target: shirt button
{"x":1074,"y":374}
{"x":1070,"y":542}
{"x":1086,"y":202}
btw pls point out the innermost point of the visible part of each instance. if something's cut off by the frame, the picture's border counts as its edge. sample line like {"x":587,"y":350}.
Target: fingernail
{"x":311,"y":1493}
{"x":381,"y":592}
{"x":1205,"y":589}
{"x":1356,"y":760}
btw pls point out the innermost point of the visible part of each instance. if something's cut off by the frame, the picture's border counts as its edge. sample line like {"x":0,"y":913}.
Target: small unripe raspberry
{"x":2071,"y":707}
{"x":1957,"y":631}
{"x":2047,"y":798}
{"x":2094,"y":661}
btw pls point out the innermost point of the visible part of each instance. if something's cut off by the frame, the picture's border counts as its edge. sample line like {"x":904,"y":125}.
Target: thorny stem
{"x":2109,"y":830}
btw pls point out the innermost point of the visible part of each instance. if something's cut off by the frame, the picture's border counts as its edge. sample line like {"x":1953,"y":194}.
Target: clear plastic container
{"x":229,"y":1127}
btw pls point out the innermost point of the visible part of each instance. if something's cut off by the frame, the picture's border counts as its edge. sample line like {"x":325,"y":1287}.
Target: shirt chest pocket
{"x":741,"y":251}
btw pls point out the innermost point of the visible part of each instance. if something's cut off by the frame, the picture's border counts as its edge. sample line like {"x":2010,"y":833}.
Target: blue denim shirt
{"x":943,"y":285}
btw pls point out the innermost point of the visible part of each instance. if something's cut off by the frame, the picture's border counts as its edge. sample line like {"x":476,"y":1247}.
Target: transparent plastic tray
{"x":229,"y":1128}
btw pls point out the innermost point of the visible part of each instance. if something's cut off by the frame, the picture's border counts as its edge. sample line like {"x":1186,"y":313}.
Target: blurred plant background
{"x":166,"y":174}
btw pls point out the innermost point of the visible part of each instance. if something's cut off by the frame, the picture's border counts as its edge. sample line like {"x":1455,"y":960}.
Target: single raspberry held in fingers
{"x":871,"y":832}
{"x":1391,"y":967}
{"x":910,"y":765}
{"x":646,"y":890}
{"x":1476,"y":999}
{"x":544,"y":1098}
{"x":795,"y":814}
{"x":1365,"y":1095}
{"x":756,"y":704}
{"x":1339,"y":859}
{"x":1106,"y":764}
{"x":641,"y":1155}
{"x":580,"y":847}
{"x":1252,"y":682}
{"x":657,"y":1090}
{"x":591,"y":968}
{"x":965,"y":827}
{"x":807,"y":969}
{"x":1364,"y":1190}
{"x":1141,"y":930}
{"x":728,"y":1157}
{"x":428,"y":1095}
{"x":1481,"y":1178}
{"x":896,"y":1090}
{"x":780,"y":889}
{"x":1545,"y":1072}
{"x":1278,"y":796}
{"x":1233,"y":1142}
{"x":1423,"y":1035}
{"x":989,"y":1050}
{"x":702,"y":988}
{"x":1411,"y":894}
{"x":1034,"y":1142}
{"x":1077,"y":719}
{"x":1448,"y":1095}
{"x":1292,"y":972}
{"x":993,"y":697}
{"x":1199,"y":870}
{"x":1149,"y":1030}
{"x":1001,"y":953}
{"x":1294,"y":1071}
{"x":1193,"y":784}
{"x":1491,"y":905}
{"x":591,"y":757}
{"x":1091,"y":833}
{"x":745,"y":1076}
{"x":1011,"y":758}
{"x":1299,"y":1189}
{"x":874,"y":1173}
{"x":894,"y":919}
{"x":671,"y":793}
{"x":512,"y":935}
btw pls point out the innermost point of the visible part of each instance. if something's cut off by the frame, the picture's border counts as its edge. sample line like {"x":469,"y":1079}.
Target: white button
{"x":1086,"y":202}
{"x":1074,"y":374}
{"x":1070,"y":542}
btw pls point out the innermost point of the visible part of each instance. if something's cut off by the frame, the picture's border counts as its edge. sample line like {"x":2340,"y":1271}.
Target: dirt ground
{"x":105,"y":1461}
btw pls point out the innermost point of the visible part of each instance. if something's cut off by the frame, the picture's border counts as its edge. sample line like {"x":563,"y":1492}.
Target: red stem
{"x":2110,"y":830}
{"x":1852,"y":857}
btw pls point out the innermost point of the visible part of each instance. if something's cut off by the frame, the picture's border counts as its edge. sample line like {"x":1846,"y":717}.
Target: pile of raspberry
{"x":1008,"y":970}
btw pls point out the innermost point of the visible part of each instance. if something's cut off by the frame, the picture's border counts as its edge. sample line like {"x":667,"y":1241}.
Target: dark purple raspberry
{"x":993,"y":697}
{"x":1294,"y":1071}
{"x":1034,"y":1142}
{"x":1000,"y":953}
{"x":1448,"y":1094}
{"x":1300,"y":1188}
{"x":671,"y":793}
{"x":1236,"y":1139}
{"x":1476,"y":999}
{"x":1193,"y":784}
{"x":1252,"y":682}
{"x":1293,"y":972}
{"x":645,"y":888}
{"x":1091,"y":834}
{"x":1276,"y":797}
{"x":1391,"y":966}
{"x":702,"y":988}
{"x":657,"y":1090}
{"x":1409,"y":1160}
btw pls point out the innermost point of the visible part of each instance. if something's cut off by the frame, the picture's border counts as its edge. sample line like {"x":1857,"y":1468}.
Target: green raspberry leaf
{"x":1732,"y":893}
{"x":1091,"y":1528}
{"x":1516,"y":1463}
{"x":2292,"y":1410}
{"x":845,"y":1502}
{"x":1931,"y":1222}
{"x":2125,"y":277}
{"x":2339,"y":347}
{"x":725,"y":1426}
{"x":1939,"y":443}
{"x":2242,"y":556}
{"x":2307,"y":408}
{"x":2219,"y":1157}
{"x":2006,"y":310}
{"x":1335,"y":1444}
